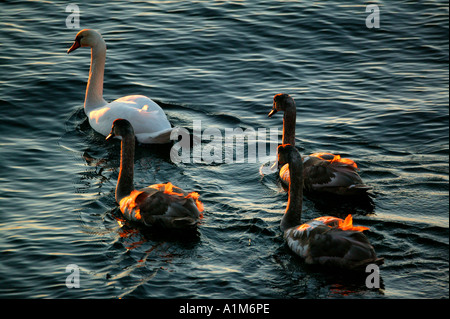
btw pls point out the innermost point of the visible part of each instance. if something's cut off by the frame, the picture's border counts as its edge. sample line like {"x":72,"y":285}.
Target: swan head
{"x":86,"y":38}
{"x":288,"y":154}
{"x":281,"y":102}
{"x":120,"y":127}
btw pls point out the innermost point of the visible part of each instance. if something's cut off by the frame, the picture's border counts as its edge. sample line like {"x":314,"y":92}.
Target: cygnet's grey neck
{"x":125,"y":181}
{"x":289,"y":119}
{"x":293,"y":215}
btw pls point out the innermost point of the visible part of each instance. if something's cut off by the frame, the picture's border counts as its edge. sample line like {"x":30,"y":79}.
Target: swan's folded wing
{"x":167,"y":210}
{"x":150,"y":123}
{"x":348,"y":249}
{"x":176,"y":216}
{"x":152,"y":202}
{"x":328,"y":175}
{"x":319,"y":174}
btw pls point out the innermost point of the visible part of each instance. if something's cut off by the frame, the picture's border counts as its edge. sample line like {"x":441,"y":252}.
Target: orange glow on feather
{"x":198,"y":203}
{"x":137,"y":213}
{"x":96,"y":114}
{"x":130,"y":203}
{"x":303,"y":227}
{"x":284,"y":171}
{"x":327,"y":219}
{"x":336,"y":159}
{"x":168,"y":189}
{"x":347,"y":224}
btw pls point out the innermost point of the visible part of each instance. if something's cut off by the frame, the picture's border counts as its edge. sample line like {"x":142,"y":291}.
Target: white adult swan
{"x":149,"y":121}
{"x":325,"y":240}
{"x":323,"y":172}
{"x":159,"y":205}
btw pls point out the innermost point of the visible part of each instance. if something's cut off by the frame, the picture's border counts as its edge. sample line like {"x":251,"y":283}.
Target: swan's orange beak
{"x":272,"y":112}
{"x":110,"y":136}
{"x":74,"y":46}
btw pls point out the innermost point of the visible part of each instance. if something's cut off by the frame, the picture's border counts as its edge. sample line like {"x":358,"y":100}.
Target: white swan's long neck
{"x":125,"y":181}
{"x":293,"y":215}
{"x":289,"y":119}
{"x":94,"y":89}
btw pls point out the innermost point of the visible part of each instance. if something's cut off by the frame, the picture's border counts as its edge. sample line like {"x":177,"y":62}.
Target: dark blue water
{"x":378,"y":96}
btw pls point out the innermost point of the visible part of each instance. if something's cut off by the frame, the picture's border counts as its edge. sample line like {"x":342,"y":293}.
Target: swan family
{"x":324,"y":240}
